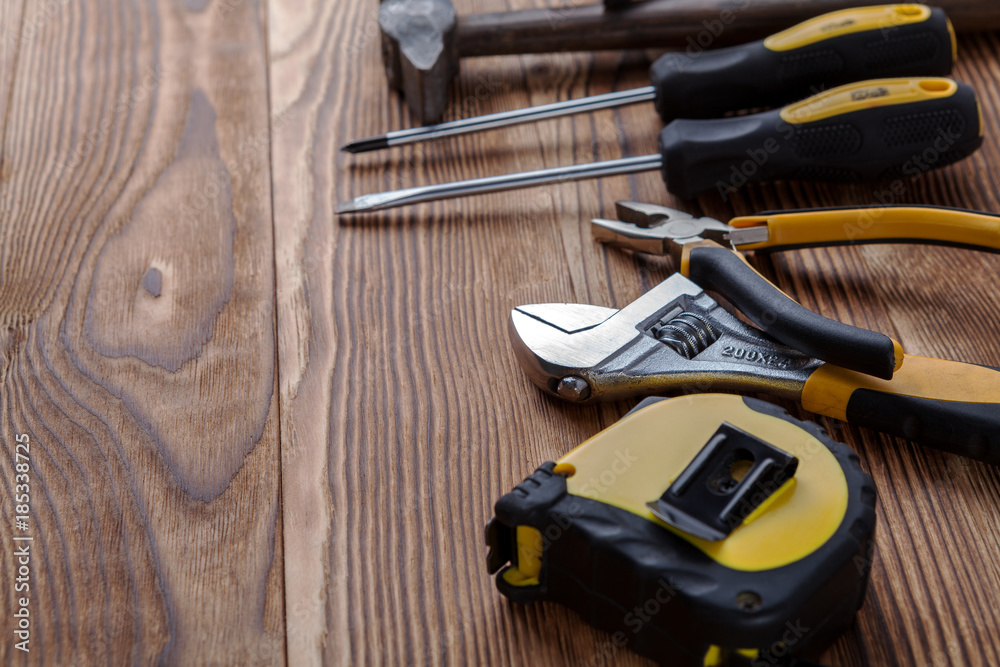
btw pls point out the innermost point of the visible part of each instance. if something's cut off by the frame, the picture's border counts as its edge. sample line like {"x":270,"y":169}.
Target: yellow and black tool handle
{"x":725,"y":272}
{"x":876,"y":224}
{"x":888,"y":129}
{"x":829,"y":50}
{"x":946,"y":405}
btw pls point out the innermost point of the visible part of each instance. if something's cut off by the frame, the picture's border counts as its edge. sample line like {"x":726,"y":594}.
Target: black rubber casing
{"x":706,"y":84}
{"x":873,"y":144}
{"x":607,"y":564}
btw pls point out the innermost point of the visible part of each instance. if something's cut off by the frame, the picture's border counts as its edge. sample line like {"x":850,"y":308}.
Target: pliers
{"x":676,"y":338}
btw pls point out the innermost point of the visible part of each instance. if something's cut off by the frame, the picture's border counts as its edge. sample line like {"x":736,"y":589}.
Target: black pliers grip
{"x":722,"y":271}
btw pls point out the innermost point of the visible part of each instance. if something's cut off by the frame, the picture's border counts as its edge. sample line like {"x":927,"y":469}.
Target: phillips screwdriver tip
{"x":493,"y":121}
{"x":366,"y":145}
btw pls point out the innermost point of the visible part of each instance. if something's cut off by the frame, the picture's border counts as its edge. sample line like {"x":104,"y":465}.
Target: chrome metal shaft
{"x":527,"y":179}
{"x":503,"y":119}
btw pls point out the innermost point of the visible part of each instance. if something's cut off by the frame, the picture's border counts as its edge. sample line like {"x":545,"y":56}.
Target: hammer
{"x":423,"y":40}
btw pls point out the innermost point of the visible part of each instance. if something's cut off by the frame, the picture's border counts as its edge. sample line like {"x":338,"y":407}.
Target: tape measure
{"x":705,"y":530}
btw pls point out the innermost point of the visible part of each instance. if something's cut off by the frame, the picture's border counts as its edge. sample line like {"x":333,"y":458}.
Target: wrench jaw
{"x":559,"y":345}
{"x":675,"y":338}
{"x":555,"y":360}
{"x":558,"y":357}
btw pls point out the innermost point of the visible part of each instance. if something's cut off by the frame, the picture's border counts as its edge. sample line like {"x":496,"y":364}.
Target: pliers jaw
{"x":673,"y":338}
{"x":656,"y":229}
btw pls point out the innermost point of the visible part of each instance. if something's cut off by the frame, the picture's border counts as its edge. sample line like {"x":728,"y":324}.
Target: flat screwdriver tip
{"x":374,"y":202}
{"x":424,"y":193}
{"x":366,"y":145}
{"x":349,"y":206}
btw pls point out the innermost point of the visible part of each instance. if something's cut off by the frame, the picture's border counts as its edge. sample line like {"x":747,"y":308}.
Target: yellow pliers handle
{"x":947,"y":405}
{"x":877,"y":224}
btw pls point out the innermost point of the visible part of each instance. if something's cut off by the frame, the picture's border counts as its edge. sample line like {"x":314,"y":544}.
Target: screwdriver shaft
{"x":384,"y":200}
{"x":502,"y":119}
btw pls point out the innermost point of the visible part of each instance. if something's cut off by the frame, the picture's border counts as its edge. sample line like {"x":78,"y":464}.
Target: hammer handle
{"x":696,"y":24}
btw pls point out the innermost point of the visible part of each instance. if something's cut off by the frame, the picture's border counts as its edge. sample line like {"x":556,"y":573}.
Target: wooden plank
{"x":10,"y":41}
{"x":138,"y":348}
{"x":405,"y":414}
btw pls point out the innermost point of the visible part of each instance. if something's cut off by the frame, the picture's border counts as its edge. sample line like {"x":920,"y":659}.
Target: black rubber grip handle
{"x":705,"y":84}
{"x":947,"y":405}
{"x":967,"y":429}
{"x":887,"y":142}
{"x":723,"y":271}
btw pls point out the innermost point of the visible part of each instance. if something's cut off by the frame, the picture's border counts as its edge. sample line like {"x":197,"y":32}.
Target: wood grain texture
{"x":263,"y":435}
{"x":405,"y":415}
{"x":10,"y":39}
{"x":138,"y":344}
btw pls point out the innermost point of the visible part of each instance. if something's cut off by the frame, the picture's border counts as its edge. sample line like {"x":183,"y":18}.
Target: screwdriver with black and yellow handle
{"x":829,"y":50}
{"x":886,"y":129}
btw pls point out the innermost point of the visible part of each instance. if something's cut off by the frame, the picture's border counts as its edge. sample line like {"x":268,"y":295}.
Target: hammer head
{"x":420,"y":53}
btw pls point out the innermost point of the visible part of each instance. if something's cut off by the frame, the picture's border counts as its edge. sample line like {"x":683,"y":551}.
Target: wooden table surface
{"x":261,"y":434}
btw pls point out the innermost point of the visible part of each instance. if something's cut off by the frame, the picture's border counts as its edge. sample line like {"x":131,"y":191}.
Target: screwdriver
{"x":830,"y":50}
{"x":874,"y":130}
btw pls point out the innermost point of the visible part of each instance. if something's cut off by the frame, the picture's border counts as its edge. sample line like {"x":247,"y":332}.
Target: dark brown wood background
{"x":265,"y":435}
